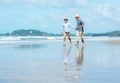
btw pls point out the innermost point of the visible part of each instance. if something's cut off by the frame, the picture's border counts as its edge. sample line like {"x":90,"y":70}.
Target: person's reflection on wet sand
{"x":79,"y":60}
{"x":66,"y":59}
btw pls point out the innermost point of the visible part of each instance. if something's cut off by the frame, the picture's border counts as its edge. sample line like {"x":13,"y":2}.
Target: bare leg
{"x":82,"y":39}
{"x":64,"y":39}
{"x":70,"y":39}
{"x":77,"y":37}
{"x":70,"y":42}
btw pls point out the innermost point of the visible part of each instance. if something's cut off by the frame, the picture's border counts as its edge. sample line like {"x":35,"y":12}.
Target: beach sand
{"x":51,"y":62}
{"x":117,"y":42}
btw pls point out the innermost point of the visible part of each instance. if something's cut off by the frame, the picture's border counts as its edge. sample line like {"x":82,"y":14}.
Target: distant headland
{"x":32,"y":32}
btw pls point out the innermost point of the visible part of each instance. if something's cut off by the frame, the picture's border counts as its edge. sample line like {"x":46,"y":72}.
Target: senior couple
{"x":79,"y":30}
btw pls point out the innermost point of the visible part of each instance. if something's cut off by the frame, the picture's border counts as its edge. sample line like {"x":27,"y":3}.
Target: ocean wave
{"x":18,"y":38}
{"x":15,"y":39}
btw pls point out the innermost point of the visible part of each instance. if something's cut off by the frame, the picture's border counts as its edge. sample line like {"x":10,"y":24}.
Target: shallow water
{"x":44,"y":62}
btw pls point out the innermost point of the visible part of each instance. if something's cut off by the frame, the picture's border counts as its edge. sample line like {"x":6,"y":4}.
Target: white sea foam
{"x":18,"y":39}
{"x":9,"y":38}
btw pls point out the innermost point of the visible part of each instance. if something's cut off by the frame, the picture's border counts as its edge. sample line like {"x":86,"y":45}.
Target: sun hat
{"x":77,"y":15}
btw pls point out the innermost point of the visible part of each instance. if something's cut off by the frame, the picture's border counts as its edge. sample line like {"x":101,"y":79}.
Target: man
{"x":79,"y":57}
{"x":79,"y":60}
{"x":79,"y":30}
{"x":66,"y":31}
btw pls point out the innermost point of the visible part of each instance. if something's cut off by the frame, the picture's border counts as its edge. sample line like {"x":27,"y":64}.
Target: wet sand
{"x":117,"y":42}
{"x":48,"y":62}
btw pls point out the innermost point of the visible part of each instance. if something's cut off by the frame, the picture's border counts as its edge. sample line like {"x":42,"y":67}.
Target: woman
{"x":66,"y":31}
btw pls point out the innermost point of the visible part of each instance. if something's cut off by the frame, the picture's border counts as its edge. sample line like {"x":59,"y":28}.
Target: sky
{"x":47,"y":15}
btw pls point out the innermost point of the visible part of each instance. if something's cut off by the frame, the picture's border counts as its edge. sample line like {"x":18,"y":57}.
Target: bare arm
{"x":72,"y":26}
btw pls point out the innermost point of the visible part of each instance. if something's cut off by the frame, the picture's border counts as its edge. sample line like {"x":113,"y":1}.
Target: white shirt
{"x":67,"y":59}
{"x":67,"y":26}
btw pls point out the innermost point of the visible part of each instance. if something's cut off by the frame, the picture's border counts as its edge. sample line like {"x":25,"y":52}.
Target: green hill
{"x":23,"y":32}
{"x":112,"y":33}
{"x":31,"y":32}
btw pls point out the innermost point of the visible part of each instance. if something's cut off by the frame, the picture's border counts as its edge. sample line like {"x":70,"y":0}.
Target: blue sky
{"x":47,"y":15}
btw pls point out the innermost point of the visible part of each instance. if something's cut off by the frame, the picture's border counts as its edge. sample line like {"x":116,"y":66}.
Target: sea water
{"x":42,"y":60}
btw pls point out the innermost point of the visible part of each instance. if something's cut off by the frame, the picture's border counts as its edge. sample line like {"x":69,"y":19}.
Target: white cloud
{"x":35,"y":2}
{"x":58,"y":3}
{"x":103,"y":9}
{"x":81,"y":2}
{"x":50,"y":3}
{"x":101,"y":13}
{"x":109,"y":11}
{"x":32,"y":18}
